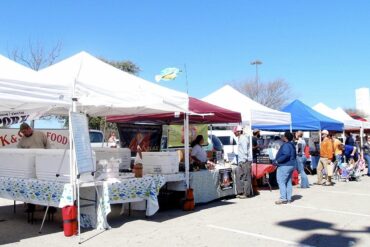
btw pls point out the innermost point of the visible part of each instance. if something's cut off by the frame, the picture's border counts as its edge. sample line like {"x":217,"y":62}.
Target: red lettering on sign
{"x":65,"y":140}
{"x":53,"y":136}
{"x":4,"y":141}
{"x":59,"y":138}
{"x":13,"y":139}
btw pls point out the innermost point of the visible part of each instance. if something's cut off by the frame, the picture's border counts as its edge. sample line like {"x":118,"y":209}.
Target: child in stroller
{"x":350,"y":170}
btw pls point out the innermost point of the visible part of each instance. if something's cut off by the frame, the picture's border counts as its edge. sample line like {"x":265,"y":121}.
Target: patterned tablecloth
{"x":129,"y":190}
{"x":36,"y":191}
{"x":57,"y":194}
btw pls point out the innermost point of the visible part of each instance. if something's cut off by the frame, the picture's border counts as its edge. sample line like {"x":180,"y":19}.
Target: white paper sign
{"x":81,"y":140}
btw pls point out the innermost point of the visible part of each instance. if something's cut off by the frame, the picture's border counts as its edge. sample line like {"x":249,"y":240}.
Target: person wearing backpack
{"x":286,"y":162}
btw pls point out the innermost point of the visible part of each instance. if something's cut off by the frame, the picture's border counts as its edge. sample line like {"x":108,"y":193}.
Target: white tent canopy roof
{"x":22,"y":89}
{"x":252,"y":112}
{"x":341,"y":113}
{"x":102,"y":89}
{"x":349,"y":123}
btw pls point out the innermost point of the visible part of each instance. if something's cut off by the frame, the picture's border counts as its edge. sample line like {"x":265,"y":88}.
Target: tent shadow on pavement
{"x":116,"y":220}
{"x":14,"y":226}
{"x":339,"y":238}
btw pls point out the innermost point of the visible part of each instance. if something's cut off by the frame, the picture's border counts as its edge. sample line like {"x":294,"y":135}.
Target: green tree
{"x":125,"y":65}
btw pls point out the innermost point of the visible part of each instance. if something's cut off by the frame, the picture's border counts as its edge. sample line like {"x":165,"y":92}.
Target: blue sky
{"x":321,"y":48}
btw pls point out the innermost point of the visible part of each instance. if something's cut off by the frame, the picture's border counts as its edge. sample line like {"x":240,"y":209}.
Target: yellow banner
{"x":176,"y":134}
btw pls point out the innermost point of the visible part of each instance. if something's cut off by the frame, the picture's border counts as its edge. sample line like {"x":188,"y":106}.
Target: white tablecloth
{"x":205,"y":184}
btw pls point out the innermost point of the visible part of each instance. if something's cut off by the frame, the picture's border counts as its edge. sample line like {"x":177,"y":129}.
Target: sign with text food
{"x":176,"y":134}
{"x":58,"y":138}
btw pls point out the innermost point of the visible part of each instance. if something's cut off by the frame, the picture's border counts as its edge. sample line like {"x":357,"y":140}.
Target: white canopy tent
{"x":88,"y":85}
{"x":253,"y":113}
{"x":22,"y":89}
{"x":349,"y":123}
{"x":101,"y":89}
{"x":341,"y":113}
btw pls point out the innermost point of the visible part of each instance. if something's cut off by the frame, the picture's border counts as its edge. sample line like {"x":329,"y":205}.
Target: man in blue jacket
{"x":286,"y":161}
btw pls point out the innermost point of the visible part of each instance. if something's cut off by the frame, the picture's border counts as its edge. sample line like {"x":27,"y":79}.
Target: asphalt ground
{"x":337,"y":216}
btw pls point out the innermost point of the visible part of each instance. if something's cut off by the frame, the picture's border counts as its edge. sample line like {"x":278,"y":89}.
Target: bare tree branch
{"x":36,"y":56}
{"x":273,"y":94}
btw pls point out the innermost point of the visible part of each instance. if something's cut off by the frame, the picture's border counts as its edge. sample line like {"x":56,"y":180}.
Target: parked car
{"x":97,"y":139}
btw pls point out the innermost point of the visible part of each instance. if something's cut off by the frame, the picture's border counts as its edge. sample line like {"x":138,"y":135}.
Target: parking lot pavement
{"x":337,"y":216}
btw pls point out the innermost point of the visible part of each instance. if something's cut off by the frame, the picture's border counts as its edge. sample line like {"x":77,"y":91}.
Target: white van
{"x":229,"y":141}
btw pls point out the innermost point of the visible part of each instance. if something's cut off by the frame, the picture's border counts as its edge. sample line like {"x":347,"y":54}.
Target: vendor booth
{"x":206,"y":183}
{"x":306,"y":119}
{"x":85,"y":84}
{"x":24,"y":95}
{"x":253,"y":113}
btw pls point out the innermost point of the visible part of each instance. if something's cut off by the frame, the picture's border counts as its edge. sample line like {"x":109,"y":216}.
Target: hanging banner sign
{"x":148,"y":137}
{"x":10,"y":118}
{"x":176,"y":134}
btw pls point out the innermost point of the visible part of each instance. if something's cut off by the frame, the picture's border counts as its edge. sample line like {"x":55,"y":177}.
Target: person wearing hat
{"x":255,"y":146}
{"x":326,"y":155}
{"x":244,"y":158}
{"x":31,"y":138}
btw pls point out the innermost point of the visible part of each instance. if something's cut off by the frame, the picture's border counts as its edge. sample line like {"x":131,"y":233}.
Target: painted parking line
{"x":260,"y":236}
{"x":346,"y":193}
{"x":330,"y":210}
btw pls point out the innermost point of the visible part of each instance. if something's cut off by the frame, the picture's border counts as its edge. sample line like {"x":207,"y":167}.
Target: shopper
{"x":112,"y":140}
{"x":349,"y":139}
{"x":326,"y":155}
{"x":255,"y":145}
{"x":366,"y":153}
{"x":301,"y":159}
{"x":286,"y":162}
{"x":244,"y":163}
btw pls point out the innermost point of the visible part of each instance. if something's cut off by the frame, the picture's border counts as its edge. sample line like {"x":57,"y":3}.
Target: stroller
{"x":351,"y":171}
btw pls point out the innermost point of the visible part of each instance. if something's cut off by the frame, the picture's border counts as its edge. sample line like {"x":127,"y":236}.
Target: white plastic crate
{"x":122,"y":155}
{"x":18,"y":163}
{"x":49,"y":162}
{"x":160,"y":162}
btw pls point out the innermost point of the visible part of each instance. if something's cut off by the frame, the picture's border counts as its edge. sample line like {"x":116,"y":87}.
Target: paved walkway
{"x":337,"y":216}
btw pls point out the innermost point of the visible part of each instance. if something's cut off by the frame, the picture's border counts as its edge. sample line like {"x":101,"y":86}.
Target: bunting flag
{"x":167,"y":74}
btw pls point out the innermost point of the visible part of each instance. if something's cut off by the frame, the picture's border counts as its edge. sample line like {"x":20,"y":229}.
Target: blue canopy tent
{"x":306,"y":119}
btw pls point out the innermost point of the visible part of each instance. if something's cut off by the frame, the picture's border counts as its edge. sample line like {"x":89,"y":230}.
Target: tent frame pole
{"x":186,"y":144}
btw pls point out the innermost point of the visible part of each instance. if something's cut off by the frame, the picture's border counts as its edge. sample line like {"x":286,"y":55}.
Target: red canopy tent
{"x":200,"y":112}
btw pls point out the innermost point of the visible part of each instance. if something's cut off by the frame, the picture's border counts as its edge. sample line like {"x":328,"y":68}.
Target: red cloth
{"x":295,"y":177}
{"x":261,"y":170}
